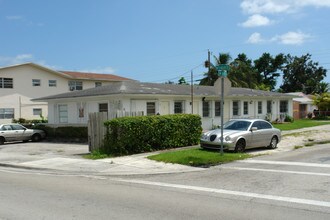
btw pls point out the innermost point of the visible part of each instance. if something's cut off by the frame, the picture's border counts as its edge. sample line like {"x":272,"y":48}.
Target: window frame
{"x":269,"y":106}
{"x":63,"y":115}
{"x":98,"y":84}
{"x":7,"y":113}
{"x":206,"y":109}
{"x":102,"y":107}
{"x":75,"y":85}
{"x":285,"y":107}
{"x":259,"y":107}
{"x":236,"y":109}
{"x":245,"y":107}
{"x":6,"y":83}
{"x":178,"y":107}
{"x":151,"y":108}
{"x":217,"y":108}
{"x":36,"y":82}
{"x":34,"y":110}
{"x":52,"y":83}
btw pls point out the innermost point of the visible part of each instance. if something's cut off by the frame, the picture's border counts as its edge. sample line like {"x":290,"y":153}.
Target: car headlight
{"x":227,"y":138}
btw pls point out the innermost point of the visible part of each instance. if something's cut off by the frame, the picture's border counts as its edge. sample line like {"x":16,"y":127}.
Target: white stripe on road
{"x":230,"y":192}
{"x":286,"y":163}
{"x":278,"y":171}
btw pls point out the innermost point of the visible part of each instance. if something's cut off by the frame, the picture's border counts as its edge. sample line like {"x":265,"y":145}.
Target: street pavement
{"x":67,"y":158}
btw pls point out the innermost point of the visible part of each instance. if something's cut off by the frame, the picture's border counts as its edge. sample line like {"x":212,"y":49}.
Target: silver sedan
{"x":17,"y":132}
{"x":241,"y":134}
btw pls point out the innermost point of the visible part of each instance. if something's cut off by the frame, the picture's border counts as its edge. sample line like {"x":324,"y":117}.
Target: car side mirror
{"x":254,"y":129}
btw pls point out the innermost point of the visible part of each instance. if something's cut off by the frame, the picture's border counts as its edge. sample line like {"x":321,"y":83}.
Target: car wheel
{"x":36,"y":137}
{"x":2,"y":140}
{"x":240,"y":146}
{"x":273,"y":143}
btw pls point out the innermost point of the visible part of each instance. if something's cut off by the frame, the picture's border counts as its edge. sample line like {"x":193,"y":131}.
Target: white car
{"x":17,"y":132}
{"x":241,"y":134}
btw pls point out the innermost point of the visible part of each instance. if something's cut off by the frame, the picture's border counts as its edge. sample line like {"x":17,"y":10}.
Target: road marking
{"x":230,"y":192}
{"x":286,"y":163}
{"x":277,"y":171}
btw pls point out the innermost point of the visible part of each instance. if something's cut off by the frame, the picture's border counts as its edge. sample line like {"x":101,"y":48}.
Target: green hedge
{"x":131,"y":135}
{"x":64,"y":134}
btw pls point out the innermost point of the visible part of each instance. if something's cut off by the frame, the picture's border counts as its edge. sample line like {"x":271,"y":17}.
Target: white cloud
{"x":279,"y":6}
{"x":257,"y":20}
{"x":264,"y":6}
{"x":255,"y":38}
{"x":14,"y":17}
{"x":292,"y":38}
{"x":289,"y":38}
{"x":21,"y":58}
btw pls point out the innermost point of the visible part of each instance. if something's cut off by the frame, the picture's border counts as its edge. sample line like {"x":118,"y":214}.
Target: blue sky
{"x":159,"y":40}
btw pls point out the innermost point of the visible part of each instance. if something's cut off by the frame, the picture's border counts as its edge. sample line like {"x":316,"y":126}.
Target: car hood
{"x":225,"y":132}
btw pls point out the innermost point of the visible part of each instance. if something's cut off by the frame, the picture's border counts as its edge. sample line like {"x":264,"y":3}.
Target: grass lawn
{"x":198,"y":157}
{"x":302,"y":123}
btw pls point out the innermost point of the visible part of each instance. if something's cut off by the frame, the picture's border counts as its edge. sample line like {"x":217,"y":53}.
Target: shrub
{"x":288,"y":118}
{"x":130,"y":135}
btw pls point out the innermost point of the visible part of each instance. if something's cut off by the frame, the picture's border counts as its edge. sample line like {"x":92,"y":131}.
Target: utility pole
{"x":209,"y":59}
{"x":192,"y":92}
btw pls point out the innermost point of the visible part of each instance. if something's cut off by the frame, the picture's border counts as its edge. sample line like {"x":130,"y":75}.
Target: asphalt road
{"x":290,"y":185}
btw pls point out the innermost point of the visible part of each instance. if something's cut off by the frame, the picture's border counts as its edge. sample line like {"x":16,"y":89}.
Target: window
{"x":63,"y":113}
{"x":6,"y":83}
{"x":259,"y":107}
{"x":206,"y":109}
{"x":246,"y":108}
{"x":269,"y":107}
{"x":52,"y":83}
{"x":36,"y":82}
{"x":262,"y":125}
{"x":98,"y":84}
{"x":37,"y":111}
{"x":178,"y":107}
{"x":75,"y":85}
{"x":236,"y":108}
{"x":217,"y":110}
{"x":6,"y":113}
{"x":151,"y":108}
{"x":283,"y":106}
{"x":103,"y":107}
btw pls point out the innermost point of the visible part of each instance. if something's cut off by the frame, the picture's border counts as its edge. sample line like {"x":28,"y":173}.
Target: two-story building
{"x":23,"y":82}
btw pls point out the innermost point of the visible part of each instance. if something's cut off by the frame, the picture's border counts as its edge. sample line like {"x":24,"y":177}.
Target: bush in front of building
{"x":64,"y":133}
{"x":131,"y":135}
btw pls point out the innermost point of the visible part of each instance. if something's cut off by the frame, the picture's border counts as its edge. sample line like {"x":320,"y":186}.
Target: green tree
{"x":301,"y":74}
{"x":242,"y":73}
{"x":212,"y":75}
{"x":322,"y":101}
{"x":182,"y":81}
{"x":322,"y":87}
{"x":268,"y":68}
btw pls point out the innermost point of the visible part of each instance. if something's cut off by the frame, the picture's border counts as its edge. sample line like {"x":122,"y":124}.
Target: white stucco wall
{"x":139,"y":104}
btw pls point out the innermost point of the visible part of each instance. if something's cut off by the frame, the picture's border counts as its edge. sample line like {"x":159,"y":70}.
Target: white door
{"x":164,"y":108}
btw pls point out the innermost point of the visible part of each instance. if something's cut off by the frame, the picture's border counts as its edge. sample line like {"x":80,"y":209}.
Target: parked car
{"x":17,"y":132}
{"x":241,"y":134}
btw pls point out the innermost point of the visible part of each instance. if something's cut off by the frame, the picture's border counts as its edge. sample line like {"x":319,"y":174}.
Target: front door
{"x":164,"y":108}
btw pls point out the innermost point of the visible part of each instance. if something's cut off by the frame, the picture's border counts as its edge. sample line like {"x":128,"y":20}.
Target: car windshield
{"x":237,"y":125}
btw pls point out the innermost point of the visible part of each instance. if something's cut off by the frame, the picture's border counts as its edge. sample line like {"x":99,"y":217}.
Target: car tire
{"x":36,"y":138}
{"x":240,"y":146}
{"x":273,"y":143}
{"x":2,"y":140}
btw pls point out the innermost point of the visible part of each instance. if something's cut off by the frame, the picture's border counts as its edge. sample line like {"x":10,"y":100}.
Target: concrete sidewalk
{"x":67,"y":158}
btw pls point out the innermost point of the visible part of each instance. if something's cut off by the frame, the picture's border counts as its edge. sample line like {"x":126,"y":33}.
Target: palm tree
{"x":212,"y":75}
